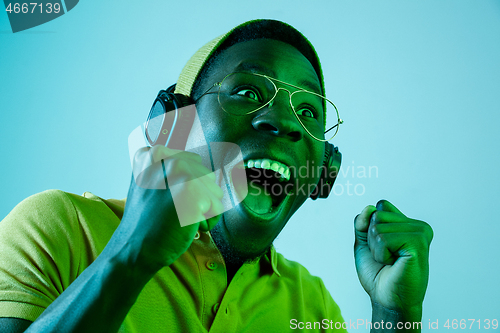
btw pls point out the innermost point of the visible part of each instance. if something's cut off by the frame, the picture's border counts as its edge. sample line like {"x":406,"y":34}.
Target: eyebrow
{"x":311,"y":86}
{"x":255,"y":67}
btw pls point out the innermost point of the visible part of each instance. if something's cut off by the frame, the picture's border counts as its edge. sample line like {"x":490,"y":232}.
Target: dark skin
{"x":272,"y":132}
{"x":391,"y":250}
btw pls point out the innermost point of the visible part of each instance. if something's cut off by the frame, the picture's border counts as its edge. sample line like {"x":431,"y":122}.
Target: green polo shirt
{"x":51,"y":237}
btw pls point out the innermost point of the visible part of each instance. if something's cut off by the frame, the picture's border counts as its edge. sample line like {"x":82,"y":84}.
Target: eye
{"x":250,"y":93}
{"x":306,"y":112}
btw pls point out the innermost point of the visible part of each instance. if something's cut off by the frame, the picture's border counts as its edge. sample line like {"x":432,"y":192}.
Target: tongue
{"x":257,"y":199}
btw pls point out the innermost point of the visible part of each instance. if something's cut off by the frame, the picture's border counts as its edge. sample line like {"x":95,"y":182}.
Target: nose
{"x":278,"y":119}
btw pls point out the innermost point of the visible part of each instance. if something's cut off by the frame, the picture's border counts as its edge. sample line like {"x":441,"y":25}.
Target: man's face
{"x":270,"y":133}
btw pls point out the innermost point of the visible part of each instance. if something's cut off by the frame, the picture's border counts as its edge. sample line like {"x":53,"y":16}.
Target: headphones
{"x":173,"y":130}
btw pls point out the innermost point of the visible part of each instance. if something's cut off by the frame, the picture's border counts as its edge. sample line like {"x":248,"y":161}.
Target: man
{"x":83,"y":264}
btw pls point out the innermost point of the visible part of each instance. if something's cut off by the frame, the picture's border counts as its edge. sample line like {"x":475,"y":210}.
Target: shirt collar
{"x":273,"y":258}
{"x":270,"y":258}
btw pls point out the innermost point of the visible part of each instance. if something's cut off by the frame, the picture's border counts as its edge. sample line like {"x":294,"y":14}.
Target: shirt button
{"x":215,"y":307}
{"x":212,"y":265}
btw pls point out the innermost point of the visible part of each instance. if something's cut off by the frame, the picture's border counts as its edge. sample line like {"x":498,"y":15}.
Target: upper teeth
{"x":268,"y":164}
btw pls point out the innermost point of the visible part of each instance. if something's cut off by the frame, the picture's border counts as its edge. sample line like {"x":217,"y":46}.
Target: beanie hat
{"x":251,"y":30}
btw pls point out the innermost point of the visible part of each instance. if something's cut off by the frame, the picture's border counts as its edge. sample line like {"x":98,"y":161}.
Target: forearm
{"x":385,"y":320}
{"x":100,"y":298}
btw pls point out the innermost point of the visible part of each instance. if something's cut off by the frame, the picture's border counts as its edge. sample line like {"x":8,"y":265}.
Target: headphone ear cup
{"x":185,"y":111}
{"x":170,"y":120}
{"x":329,"y":171}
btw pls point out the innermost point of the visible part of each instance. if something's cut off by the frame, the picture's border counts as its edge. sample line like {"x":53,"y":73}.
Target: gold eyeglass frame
{"x":271,"y":79}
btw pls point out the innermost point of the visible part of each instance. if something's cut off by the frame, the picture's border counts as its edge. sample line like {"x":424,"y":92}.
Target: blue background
{"x":416,"y":82}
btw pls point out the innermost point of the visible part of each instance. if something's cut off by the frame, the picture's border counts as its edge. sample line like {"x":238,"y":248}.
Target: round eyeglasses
{"x":242,"y":93}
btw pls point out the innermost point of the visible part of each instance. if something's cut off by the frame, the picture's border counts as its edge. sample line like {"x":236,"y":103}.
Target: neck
{"x":234,"y":258}
{"x":231,"y":271}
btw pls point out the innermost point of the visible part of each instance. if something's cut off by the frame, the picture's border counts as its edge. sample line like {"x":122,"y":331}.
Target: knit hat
{"x":251,"y":30}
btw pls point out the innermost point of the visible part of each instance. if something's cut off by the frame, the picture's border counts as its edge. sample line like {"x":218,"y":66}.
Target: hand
{"x":151,"y":218}
{"x":392,"y":257}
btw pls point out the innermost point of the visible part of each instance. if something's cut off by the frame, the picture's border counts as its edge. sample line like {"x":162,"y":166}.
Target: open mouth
{"x":268,"y":184}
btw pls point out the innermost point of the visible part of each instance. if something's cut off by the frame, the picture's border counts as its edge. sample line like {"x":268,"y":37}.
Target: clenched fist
{"x":392,"y":257}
